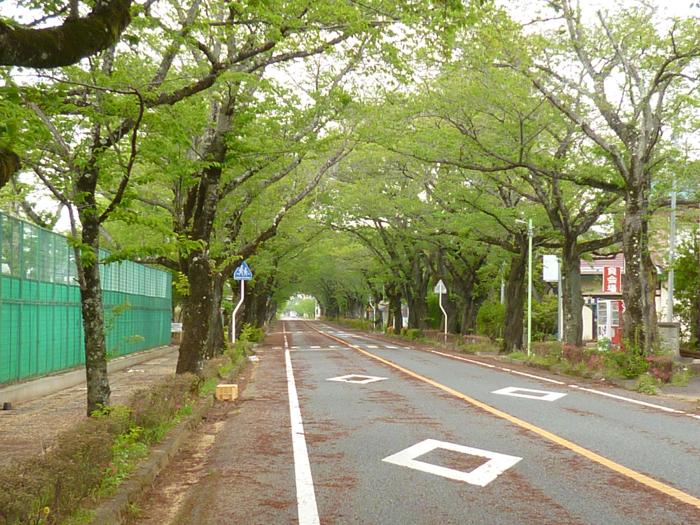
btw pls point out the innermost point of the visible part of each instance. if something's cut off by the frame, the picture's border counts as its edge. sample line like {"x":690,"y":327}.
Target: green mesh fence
{"x":40,"y":324}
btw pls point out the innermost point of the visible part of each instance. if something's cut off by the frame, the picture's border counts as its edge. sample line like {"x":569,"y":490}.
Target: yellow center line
{"x":612,"y":465}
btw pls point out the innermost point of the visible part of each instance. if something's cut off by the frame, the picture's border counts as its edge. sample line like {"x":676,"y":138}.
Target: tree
{"x":77,"y":38}
{"x":626,"y":83}
{"x":687,"y":288}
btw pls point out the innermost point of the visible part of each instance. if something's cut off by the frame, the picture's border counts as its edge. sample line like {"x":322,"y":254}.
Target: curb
{"x":116,"y":509}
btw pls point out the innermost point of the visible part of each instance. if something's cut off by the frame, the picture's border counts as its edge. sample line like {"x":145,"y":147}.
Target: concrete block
{"x":226,"y":392}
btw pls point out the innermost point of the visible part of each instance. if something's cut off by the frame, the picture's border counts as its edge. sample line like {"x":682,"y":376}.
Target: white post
{"x":529,"y":286}
{"x":235,"y":310}
{"x":503,"y":283}
{"x":444,"y":314}
{"x":671,"y":255}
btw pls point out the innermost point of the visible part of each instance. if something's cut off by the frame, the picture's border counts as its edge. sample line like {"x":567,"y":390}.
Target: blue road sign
{"x":243,"y":273}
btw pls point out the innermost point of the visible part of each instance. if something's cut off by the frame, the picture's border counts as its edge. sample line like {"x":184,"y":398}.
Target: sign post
{"x":440,"y":289}
{"x":242,"y":274}
{"x":551,"y":273}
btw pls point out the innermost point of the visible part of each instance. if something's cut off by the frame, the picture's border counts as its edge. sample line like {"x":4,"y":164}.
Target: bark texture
{"x":196,"y":315}
{"x":572,"y":300}
{"x":66,"y":44}
{"x":639,"y":283}
{"x":513,"y":333}
{"x":9,"y":165}
{"x":98,"y":391}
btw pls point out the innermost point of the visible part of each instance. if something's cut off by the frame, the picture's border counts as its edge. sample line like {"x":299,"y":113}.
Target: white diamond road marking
{"x":481,"y":476}
{"x":356,"y":378}
{"x":529,"y":393}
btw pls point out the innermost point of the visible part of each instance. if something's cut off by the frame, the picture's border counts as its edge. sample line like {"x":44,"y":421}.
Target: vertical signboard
{"x":612,"y":280}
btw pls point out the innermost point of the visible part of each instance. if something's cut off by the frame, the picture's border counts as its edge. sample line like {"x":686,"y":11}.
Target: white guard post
{"x":441,"y":289}
{"x":235,"y":311}
{"x":242,"y":274}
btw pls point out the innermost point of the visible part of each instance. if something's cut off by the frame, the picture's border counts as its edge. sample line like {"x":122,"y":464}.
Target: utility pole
{"x":671,"y":254}
{"x":529,"y":286}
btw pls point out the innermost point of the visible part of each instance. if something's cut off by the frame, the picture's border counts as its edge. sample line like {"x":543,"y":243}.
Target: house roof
{"x":595,"y":266}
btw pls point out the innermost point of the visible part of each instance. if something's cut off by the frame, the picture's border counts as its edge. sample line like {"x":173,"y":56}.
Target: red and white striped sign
{"x":612,"y":279}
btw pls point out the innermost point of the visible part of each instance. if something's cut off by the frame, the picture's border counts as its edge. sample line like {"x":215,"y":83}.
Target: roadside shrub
{"x":252,"y":333}
{"x":481,"y":346}
{"x":661,"y":367}
{"x":47,"y":489}
{"x":646,"y":384}
{"x":414,"y":334}
{"x":490,"y":319}
{"x":548,"y":348}
{"x":544,"y":318}
{"x":628,"y":363}
{"x":94,"y":456}
{"x":574,"y":354}
{"x":153,"y":408}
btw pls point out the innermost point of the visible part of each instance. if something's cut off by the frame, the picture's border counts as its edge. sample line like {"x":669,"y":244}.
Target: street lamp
{"x":529,"y":283}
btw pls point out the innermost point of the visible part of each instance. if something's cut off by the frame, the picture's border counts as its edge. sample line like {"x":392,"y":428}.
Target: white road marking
{"x":392,"y":347}
{"x":356,"y":378}
{"x":306,"y":497}
{"x":372,"y":346}
{"x":556,"y":382}
{"x":481,"y":476}
{"x":529,"y":393}
{"x":472,"y":361}
{"x":314,"y":346}
{"x":629,"y":400}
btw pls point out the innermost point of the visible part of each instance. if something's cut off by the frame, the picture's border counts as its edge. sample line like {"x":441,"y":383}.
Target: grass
{"x":647,"y":384}
{"x":681,"y":377}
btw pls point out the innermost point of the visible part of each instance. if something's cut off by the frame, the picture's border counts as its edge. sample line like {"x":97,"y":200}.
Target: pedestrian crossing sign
{"x":243,"y":273}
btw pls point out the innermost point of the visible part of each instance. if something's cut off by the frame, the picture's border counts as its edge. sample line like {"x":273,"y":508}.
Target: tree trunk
{"x":695,"y":311}
{"x":395,"y":311}
{"x":639,"y":283}
{"x":215,"y":340}
{"x":196,"y":315}
{"x":417,"y":311}
{"x":572,"y":300}
{"x":452,"y":317}
{"x":92,"y":309}
{"x":513,"y":331}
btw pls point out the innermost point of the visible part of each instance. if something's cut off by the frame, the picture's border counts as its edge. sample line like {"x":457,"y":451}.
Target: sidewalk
{"x":32,"y":426}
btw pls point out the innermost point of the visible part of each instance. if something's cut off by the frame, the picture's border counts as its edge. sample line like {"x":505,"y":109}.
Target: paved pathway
{"x":31,"y":427}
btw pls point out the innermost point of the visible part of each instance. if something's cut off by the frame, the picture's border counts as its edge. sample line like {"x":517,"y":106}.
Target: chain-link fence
{"x":40,"y":323}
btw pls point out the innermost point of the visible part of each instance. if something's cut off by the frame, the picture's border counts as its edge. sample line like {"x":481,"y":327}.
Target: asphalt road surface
{"x":338,"y":427}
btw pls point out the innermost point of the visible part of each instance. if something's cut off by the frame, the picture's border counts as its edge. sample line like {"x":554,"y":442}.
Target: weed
{"x":625,"y":363}
{"x":207,"y":387}
{"x":681,"y":377}
{"x":646,"y":384}
{"x":252,"y":334}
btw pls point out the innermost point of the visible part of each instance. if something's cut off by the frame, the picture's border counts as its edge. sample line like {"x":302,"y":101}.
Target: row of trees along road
{"x":570,"y":127}
{"x":182,"y":140}
{"x":348,"y":153}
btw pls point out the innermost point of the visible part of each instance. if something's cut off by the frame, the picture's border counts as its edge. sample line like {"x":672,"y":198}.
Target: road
{"x":341,"y":427}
